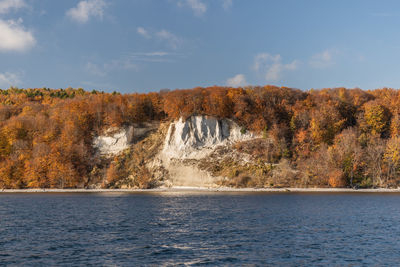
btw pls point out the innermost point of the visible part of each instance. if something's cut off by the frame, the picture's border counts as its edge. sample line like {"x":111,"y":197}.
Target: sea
{"x":199,"y":229}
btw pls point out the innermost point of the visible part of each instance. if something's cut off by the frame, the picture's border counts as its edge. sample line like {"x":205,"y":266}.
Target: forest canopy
{"x":333,"y":137}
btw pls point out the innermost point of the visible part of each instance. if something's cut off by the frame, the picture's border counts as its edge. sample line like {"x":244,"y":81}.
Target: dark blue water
{"x":199,"y":229}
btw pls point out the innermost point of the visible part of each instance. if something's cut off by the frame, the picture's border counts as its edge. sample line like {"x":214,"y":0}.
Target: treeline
{"x":331,"y":137}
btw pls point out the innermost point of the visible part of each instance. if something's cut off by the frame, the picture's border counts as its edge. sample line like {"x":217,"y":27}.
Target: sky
{"x":147,"y":45}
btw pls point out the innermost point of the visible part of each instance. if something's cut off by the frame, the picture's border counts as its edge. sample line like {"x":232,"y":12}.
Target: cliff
{"x":113,"y":141}
{"x":173,"y":153}
{"x":187,"y":142}
{"x":197,"y":136}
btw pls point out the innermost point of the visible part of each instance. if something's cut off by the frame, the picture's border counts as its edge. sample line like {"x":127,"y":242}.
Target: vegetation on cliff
{"x":330,"y":137}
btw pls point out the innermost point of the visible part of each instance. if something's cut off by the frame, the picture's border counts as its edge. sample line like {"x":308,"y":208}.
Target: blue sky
{"x":148,"y":45}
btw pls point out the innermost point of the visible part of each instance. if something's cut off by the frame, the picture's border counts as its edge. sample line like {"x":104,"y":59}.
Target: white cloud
{"x":236,"y":81}
{"x":198,"y":7}
{"x":227,"y":4}
{"x":271,"y":66}
{"x":8,"y":5}
{"x":8,"y":79}
{"x":143,"y":32}
{"x":13,"y":36}
{"x":172,"y":40}
{"x":87,"y":9}
{"x":323,"y":59}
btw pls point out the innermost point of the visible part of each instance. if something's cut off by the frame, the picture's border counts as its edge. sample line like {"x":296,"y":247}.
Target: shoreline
{"x":205,"y":190}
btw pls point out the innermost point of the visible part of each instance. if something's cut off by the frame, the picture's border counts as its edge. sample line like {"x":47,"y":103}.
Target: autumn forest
{"x":332,"y":137}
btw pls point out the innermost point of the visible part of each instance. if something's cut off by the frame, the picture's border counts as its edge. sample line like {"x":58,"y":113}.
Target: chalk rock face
{"x":114,"y":141}
{"x":198,"y":135}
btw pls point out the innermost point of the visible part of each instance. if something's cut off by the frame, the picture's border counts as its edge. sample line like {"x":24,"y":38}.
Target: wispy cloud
{"x":95,"y":69}
{"x":227,"y":4}
{"x":143,"y":32}
{"x":8,"y":79}
{"x":87,"y":9}
{"x":236,"y":81}
{"x":170,"y":39}
{"x":198,"y":7}
{"x":157,"y":56}
{"x":14,"y":37}
{"x":323,"y":59}
{"x":129,"y":62}
{"x":152,"y":54}
{"x":271,"y":66}
{"x":8,"y":5}
{"x":104,"y":69}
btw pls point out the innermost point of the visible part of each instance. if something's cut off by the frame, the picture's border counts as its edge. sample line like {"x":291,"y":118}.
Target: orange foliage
{"x":336,"y":178}
{"x":46,"y":135}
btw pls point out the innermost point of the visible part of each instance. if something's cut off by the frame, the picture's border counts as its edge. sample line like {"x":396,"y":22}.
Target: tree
{"x":392,"y":157}
{"x":325,"y":123}
{"x":377,"y":118}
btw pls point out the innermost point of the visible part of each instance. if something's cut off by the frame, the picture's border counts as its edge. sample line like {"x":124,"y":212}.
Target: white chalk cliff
{"x":194,"y":139}
{"x":186,"y":143}
{"x":114,"y":141}
{"x":197,"y":136}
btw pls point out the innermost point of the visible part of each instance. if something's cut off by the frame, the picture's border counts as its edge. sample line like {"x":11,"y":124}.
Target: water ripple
{"x":193,"y":230}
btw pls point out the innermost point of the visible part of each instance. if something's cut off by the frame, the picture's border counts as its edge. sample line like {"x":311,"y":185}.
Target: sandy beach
{"x":205,"y":190}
